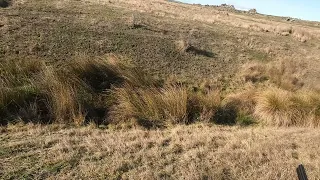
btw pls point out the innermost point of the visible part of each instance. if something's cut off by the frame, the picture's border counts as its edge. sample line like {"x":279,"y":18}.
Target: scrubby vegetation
{"x":107,"y":91}
{"x":73,"y":92}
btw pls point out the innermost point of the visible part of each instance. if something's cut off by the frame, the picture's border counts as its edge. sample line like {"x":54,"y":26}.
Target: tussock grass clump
{"x":151,"y":106}
{"x":203,"y":106}
{"x":286,"y":74}
{"x":73,"y":92}
{"x":283,"y":108}
{"x":108,"y":91}
{"x":18,"y":90}
{"x":60,"y":97}
{"x":301,"y":35}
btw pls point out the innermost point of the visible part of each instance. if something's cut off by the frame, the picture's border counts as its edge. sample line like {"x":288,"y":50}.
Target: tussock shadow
{"x":96,"y":115}
{"x":145,"y":27}
{"x":139,"y":26}
{"x":201,"y":52}
{"x":226,"y":116}
{"x":4,"y":3}
{"x":100,"y":78}
{"x":148,"y":124}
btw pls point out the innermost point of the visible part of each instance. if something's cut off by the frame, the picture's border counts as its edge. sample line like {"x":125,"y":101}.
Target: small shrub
{"x":285,"y":74}
{"x":59,"y":96}
{"x":203,"y":106}
{"x":301,"y":35}
{"x":182,"y":45}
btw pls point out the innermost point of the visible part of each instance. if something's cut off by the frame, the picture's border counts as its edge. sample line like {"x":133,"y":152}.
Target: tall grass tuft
{"x":202,"y":106}
{"x":18,"y":90}
{"x":283,"y":108}
{"x":59,"y":97}
{"x":151,"y":106}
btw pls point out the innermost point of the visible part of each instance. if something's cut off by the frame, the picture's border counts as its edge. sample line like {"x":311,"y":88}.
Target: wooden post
{"x":302,"y":175}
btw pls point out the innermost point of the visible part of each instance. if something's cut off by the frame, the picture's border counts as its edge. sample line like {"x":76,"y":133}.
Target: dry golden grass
{"x":276,"y":25}
{"x":199,"y":151}
{"x":151,"y":106}
{"x":203,"y":106}
{"x":286,"y":74}
{"x":283,"y":108}
{"x":32,"y":91}
{"x":60,"y":97}
{"x":244,"y":101}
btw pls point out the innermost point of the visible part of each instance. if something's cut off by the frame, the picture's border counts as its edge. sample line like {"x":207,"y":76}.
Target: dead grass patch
{"x":285,"y":74}
{"x":196,"y":151}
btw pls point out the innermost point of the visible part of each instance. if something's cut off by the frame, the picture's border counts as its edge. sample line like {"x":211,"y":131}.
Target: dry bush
{"x":151,"y":107}
{"x":182,"y":45}
{"x":203,"y":106}
{"x":301,"y":35}
{"x":283,"y":108}
{"x":59,"y":97}
{"x":285,"y":73}
{"x":244,"y":102}
{"x":254,"y":72}
{"x":283,"y":30}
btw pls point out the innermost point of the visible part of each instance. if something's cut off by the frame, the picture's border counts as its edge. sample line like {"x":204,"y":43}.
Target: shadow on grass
{"x":4,"y":3}
{"x":232,"y":116}
{"x":201,"y":52}
{"x":225,"y":116}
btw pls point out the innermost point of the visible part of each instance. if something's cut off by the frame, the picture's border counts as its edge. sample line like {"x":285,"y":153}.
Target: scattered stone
{"x":228,"y":6}
{"x":290,"y":20}
{"x":252,"y":11}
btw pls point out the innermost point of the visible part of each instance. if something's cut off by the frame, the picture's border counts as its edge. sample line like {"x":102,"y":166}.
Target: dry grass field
{"x":199,"y":151}
{"x":133,"y":89}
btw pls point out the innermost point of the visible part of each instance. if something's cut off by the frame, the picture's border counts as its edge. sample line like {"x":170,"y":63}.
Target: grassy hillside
{"x":191,"y":42}
{"x":87,"y":88}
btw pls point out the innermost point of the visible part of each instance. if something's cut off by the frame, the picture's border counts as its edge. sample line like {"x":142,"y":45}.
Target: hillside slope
{"x":191,"y":42}
{"x":234,"y":95}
